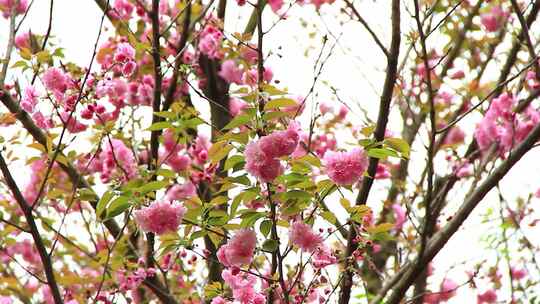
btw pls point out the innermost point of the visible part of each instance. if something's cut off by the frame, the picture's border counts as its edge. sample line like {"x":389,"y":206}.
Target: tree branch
{"x":34,"y":231}
{"x":382,"y":120}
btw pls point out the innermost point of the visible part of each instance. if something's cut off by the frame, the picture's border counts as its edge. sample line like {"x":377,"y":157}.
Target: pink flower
{"x":181,"y":192}
{"x":323,"y":257}
{"x":122,"y":9}
{"x":239,"y":249}
{"x":459,"y":74}
{"x":124,"y":52}
{"x":455,"y":136}
{"x":22,"y":41}
{"x":448,"y":289}
{"x":29,"y":99}
{"x":303,"y":236}
{"x":7,"y":6}
{"x":160,"y":217}
{"x":5,"y":300}
{"x":129,"y":68}
{"x":236,"y":106}
{"x":178,"y":162}
{"x":54,"y":79}
{"x":518,"y":273}
{"x":116,"y":154}
{"x":345,"y":168}
{"x":325,"y":107}
{"x":464,"y":169}
{"x":41,"y":121}
{"x":210,"y":42}
{"x":399,"y":216}
{"x":488,"y":297}
{"x":280,"y":143}
{"x":231,"y":72}
{"x":275,"y":5}
{"x":343,"y":111}
{"x":258,"y":164}
{"x":219,"y":300}
{"x":382,"y":172}
{"x":493,"y":20}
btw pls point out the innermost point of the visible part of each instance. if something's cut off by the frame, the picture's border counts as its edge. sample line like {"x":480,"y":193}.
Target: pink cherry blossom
{"x":399,"y":216}
{"x":239,"y":249}
{"x":124,"y":52}
{"x":323,"y":257}
{"x":518,"y":273}
{"x":54,"y":79}
{"x":261,"y":166}
{"x":236,"y":106}
{"x":160,"y":217}
{"x":280,"y":143}
{"x":493,"y":20}
{"x":181,"y":192}
{"x":29,"y":99}
{"x":488,"y":297}
{"x":231,"y":72}
{"x":304,"y":237}
{"x":345,"y":168}
{"x":22,"y":41}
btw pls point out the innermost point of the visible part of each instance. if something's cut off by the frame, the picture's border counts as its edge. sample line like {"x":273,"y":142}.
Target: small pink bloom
{"x":488,"y":297}
{"x":239,"y":249}
{"x":22,"y":41}
{"x":448,"y":289}
{"x":181,"y":192}
{"x":231,"y":72}
{"x":280,"y":143}
{"x":258,"y":164}
{"x":160,"y":217}
{"x":236,"y":106}
{"x":54,"y":79}
{"x":304,"y":237}
{"x":345,"y":168}
{"x":275,"y":5}
{"x":124,"y":52}
{"x":518,"y":273}
{"x":399,"y":216}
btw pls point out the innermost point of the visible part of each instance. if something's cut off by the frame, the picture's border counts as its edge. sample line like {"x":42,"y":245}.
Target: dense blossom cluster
{"x":503,"y":127}
{"x":160,"y":217}
{"x":262,"y":156}
{"x":345,"y":168}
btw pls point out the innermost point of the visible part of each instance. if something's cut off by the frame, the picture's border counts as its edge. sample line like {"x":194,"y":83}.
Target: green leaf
{"x":238,"y":121}
{"x":265,"y":227}
{"x":384,"y":227}
{"x":153,"y":186}
{"x":160,"y":125}
{"x":221,"y":153}
{"x":270,"y":245}
{"x":118,"y":206}
{"x":102,"y":203}
{"x":249,"y":219}
{"x":19,"y":64}
{"x":43,"y":56}
{"x":329,"y":217}
{"x":232,"y":162}
{"x":381,"y":153}
{"x":399,"y":145}
{"x":280,"y":103}
{"x":276,"y":115}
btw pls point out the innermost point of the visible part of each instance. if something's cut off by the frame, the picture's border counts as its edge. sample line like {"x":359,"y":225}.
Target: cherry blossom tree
{"x":176,"y":167}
